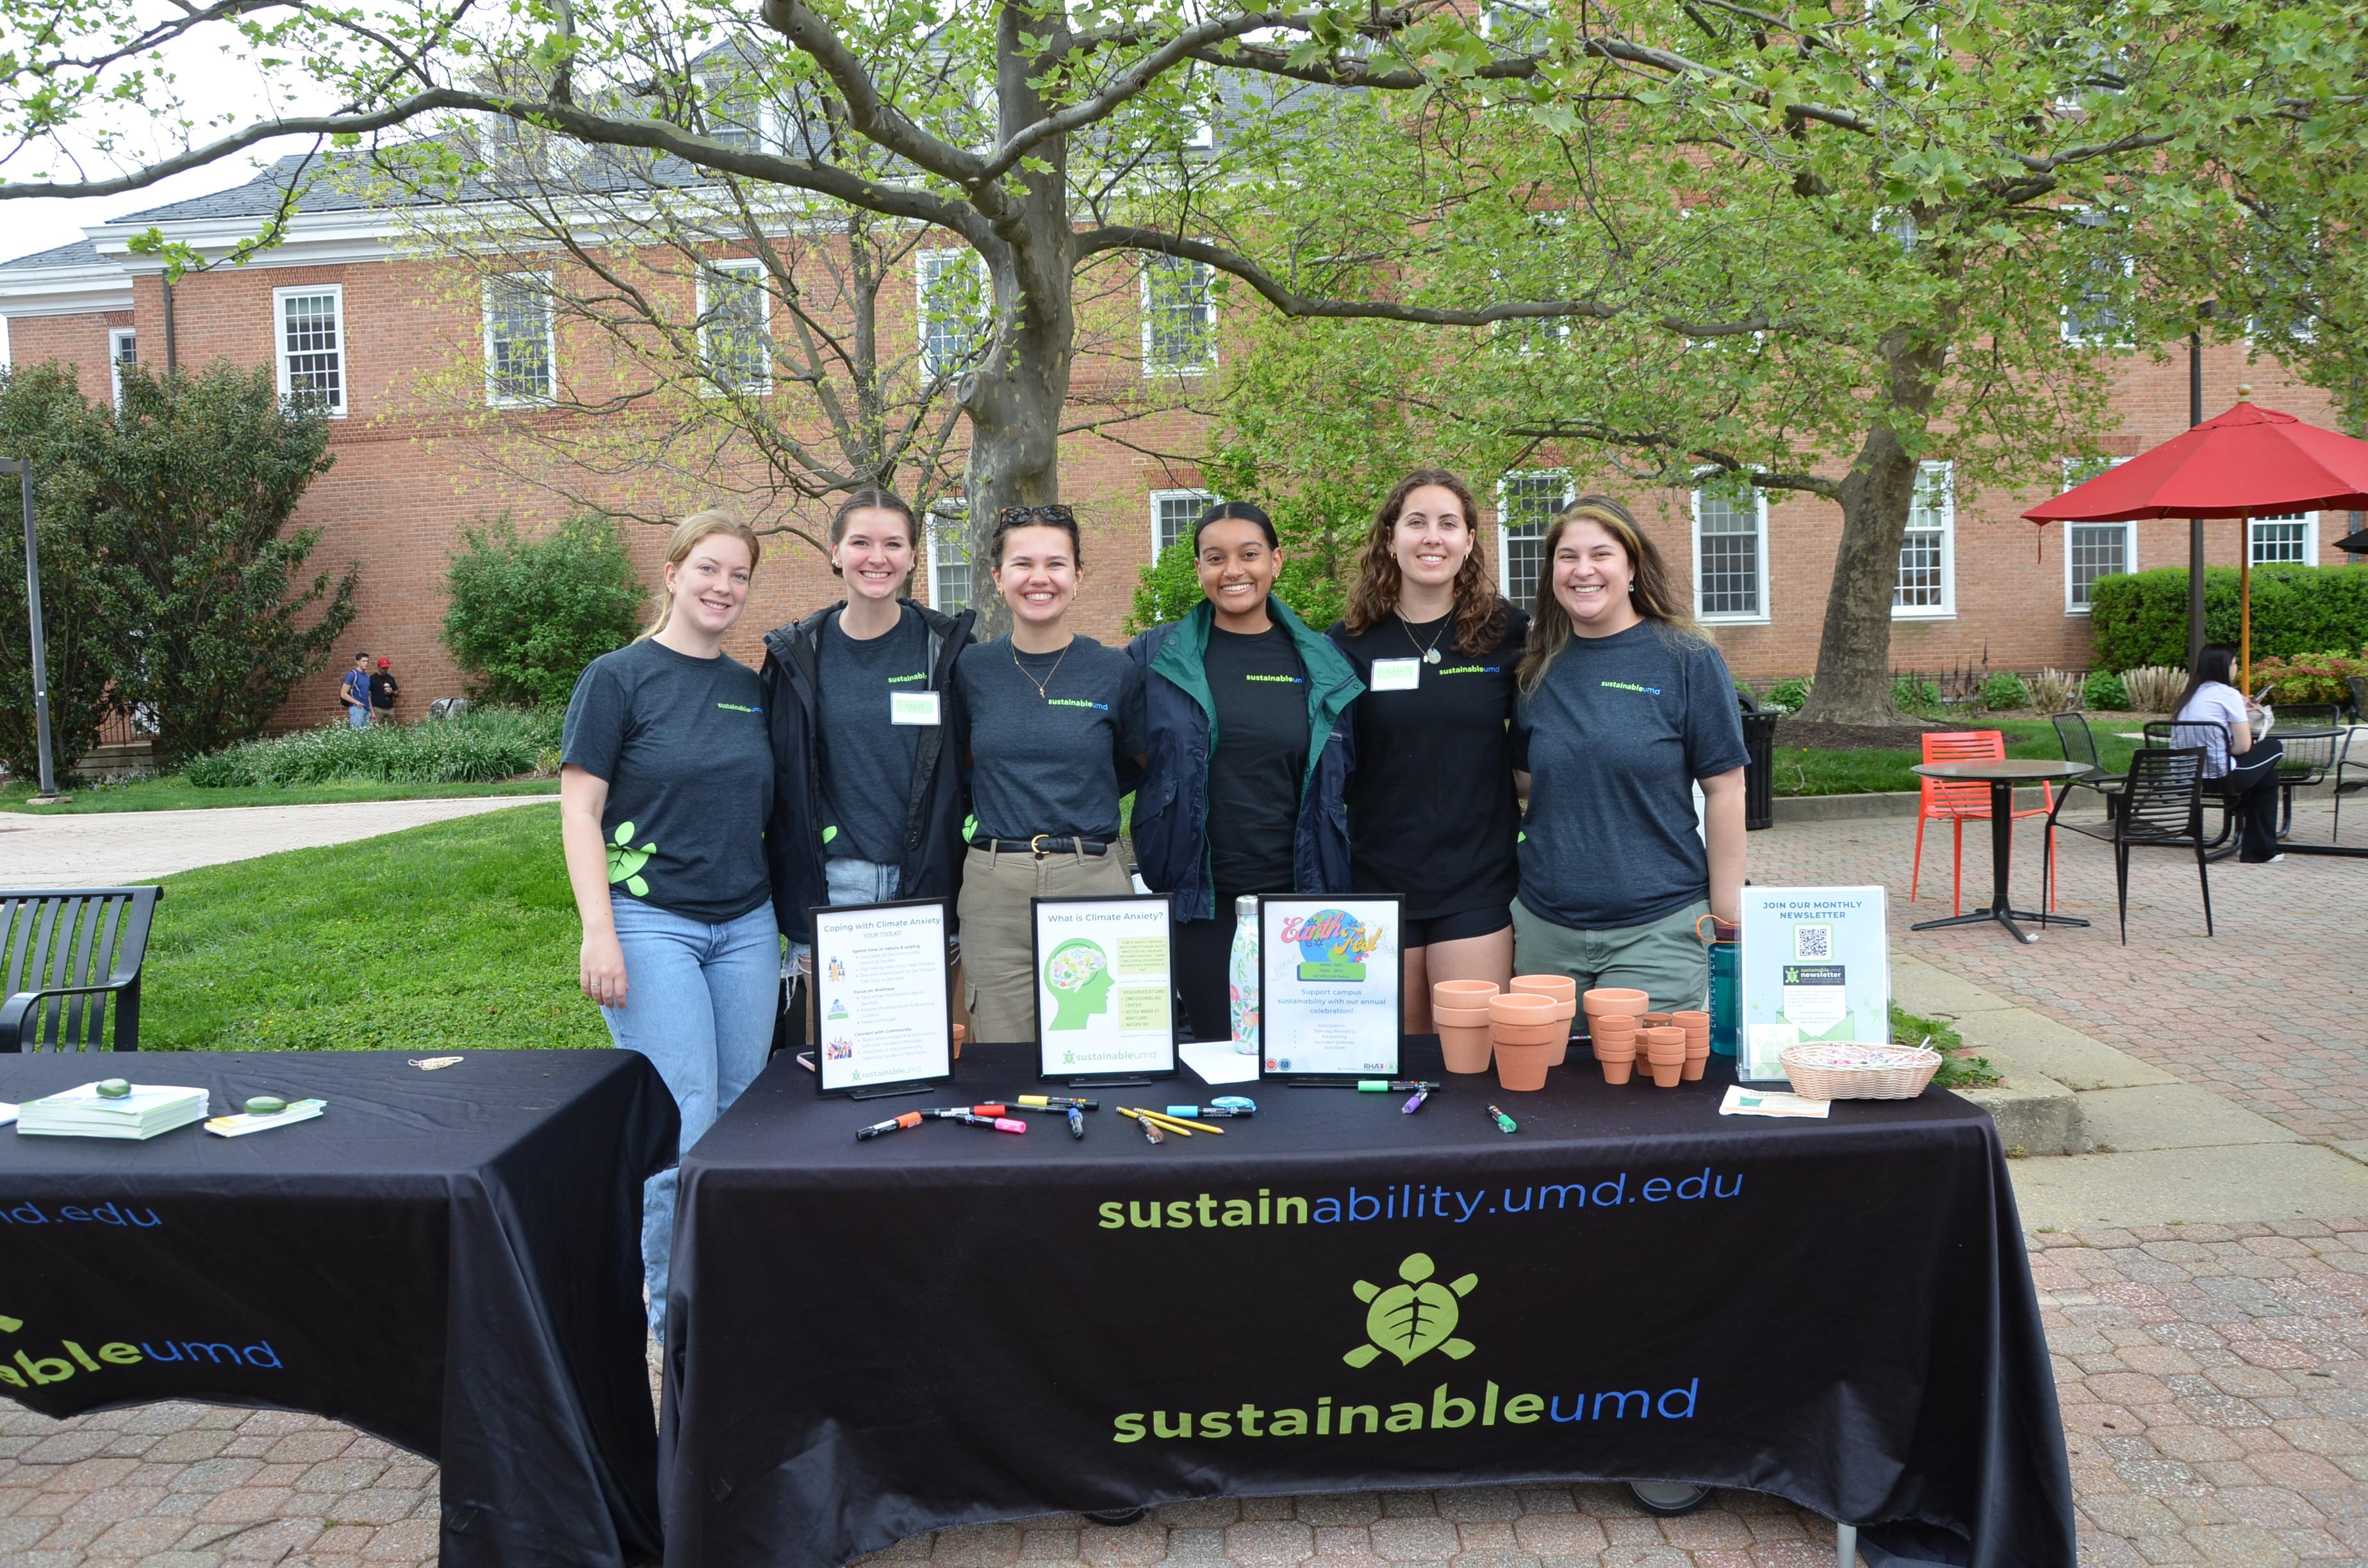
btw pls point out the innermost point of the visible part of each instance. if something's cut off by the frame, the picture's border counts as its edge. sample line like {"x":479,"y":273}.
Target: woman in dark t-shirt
{"x":1432,"y":809}
{"x":666,"y":776}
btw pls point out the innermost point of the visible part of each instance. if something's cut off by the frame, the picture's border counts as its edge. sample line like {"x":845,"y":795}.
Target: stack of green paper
{"x":148,"y":1109}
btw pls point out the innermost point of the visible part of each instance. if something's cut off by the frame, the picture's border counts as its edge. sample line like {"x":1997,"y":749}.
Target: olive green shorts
{"x":1662,"y":958}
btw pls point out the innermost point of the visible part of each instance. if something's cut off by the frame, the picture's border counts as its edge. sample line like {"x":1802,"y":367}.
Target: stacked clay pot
{"x":1615,"y":1038}
{"x":1665,"y":1048}
{"x":1459,"y":1011}
{"x":1565,"y":993}
{"x":959,"y":1031}
{"x":1657,"y":1021}
{"x":1695,"y":1027}
{"x":1523,"y":1029}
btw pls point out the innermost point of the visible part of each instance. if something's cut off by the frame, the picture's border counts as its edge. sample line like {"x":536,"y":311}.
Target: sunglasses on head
{"x":1017,"y":516}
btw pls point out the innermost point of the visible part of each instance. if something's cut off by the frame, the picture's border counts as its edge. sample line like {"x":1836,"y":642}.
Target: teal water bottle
{"x":1725,"y":987}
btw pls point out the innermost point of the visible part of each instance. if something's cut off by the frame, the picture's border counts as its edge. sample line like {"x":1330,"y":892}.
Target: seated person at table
{"x":1625,"y":705}
{"x":666,"y":776}
{"x":2223,"y":724}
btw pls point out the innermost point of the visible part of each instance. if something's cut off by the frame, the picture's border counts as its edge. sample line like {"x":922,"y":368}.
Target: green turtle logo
{"x":625,"y":862}
{"x":1408,"y":1319}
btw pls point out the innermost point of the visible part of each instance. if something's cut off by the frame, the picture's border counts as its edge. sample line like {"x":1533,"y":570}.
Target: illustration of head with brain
{"x":1078,"y":972}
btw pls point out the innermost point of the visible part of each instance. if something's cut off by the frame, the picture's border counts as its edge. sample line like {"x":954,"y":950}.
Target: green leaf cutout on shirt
{"x":625,"y":862}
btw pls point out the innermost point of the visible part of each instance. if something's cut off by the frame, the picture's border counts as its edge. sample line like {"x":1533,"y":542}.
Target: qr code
{"x":1813,"y":941}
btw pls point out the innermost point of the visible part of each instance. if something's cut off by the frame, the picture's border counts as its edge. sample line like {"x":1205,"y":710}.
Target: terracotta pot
{"x":1558,"y":1050}
{"x":1466,"y":1047}
{"x":1463,"y":992}
{"x":1656,"y":1021}
{"x":1616,"y":1047}
{"x":1615,"y":999}
{"x":1665,"y":1074}
{"x":1465,"y":1017}
{"x":1509,"y":1008}
{"x":1618,"y":1072}
{"x":1690,"y":1071}
{"x":959,"y":1031}
{"x":1691,"y":1020}
{"x":1561,"y":987}
{"x":1520,"y":1068}
{"x":1662,"y":1044}
{"x":1612,"y":1023}
{"x":1544,"y":1034}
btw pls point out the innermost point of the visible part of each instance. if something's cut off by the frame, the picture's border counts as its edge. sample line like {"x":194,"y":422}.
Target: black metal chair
{"x":2079,"y":743}
{"x":2211,"y":737}
{"x":2161,"y":808}
{"x":63,"y":953}
{"x":2307,"y":734}
{"x":2350,"y":772}
{"x":2359,"y":685}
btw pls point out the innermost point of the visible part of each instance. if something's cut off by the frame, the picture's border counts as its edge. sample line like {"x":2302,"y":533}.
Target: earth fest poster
{"x":1102,"y":986}
{"x":1331,"y":972}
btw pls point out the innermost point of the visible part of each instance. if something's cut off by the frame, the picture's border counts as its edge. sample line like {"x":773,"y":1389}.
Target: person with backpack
{"x":353,"y":693}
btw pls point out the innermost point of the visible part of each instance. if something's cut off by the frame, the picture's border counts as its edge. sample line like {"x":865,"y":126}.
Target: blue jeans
{"x":358,"y":715}
{"x":848,"y":881}
{"x":699,"y":1003}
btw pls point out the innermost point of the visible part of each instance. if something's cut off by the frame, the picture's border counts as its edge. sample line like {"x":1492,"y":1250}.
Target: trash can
{"x":1759,"y":768}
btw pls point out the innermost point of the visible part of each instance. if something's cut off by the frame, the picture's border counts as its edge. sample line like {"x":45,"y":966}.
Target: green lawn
{"x":458,"y":935}
{"x":173,"y":794}
{"x":1800,"y":771}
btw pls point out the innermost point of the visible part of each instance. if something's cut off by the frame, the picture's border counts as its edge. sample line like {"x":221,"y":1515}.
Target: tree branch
{"x":869,"y":113}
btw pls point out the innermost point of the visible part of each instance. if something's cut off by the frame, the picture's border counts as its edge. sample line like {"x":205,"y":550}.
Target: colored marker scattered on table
{"x":1220,"y":1109}
{"x":1055,"y":1102}
{"x":957,"y":1112}
{"x":1076,"y":1123}
{"x":1151,"y":1133}
{"x":1504,"y":1123}
{"x":1386,"y":1085}
{"x":1415,"y":1104}
{"x":893,"y":1124}
{"x":1238,"y":1104}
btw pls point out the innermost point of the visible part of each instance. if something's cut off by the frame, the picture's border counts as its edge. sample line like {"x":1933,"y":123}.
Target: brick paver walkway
{"x":2214,"y":1381}
{"x":2267,"y":1013}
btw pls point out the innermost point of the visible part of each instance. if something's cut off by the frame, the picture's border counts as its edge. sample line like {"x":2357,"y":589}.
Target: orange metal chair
{"x":1960,"y":803}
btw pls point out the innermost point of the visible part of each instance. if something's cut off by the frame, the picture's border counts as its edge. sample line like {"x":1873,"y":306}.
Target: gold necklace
{"x":1040,"y":685}
{"x":1430,"y":655}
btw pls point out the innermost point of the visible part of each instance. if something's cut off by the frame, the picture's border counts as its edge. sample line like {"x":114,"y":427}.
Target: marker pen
{"x":1241,"y":1104}
{"x":1504,"y":1123}
{"x":1219,"y":1109}
{"x":1384,"y":1086}
{"x":1076,"y":1123}
{"x":1000,"y":1123}
{"x":1040,"y":1102}
{"x":1415,"y":1104}
{"x":895,"y":1124}
{"x":1151,"y":1133}
{"x":956,"y":1112}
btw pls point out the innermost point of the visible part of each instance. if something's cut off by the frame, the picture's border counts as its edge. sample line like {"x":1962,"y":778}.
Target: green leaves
{"x":525,"y":615}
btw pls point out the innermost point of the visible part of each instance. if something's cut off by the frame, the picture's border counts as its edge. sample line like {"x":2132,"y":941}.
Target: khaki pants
{"x":1662,"y":958}
{"x":998,"y":927}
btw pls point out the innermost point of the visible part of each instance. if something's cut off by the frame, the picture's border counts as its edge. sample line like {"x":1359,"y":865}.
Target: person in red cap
{"x":383,"y":689}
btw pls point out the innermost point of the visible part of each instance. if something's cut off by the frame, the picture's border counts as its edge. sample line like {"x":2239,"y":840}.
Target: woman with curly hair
{"x":1432,"y":814}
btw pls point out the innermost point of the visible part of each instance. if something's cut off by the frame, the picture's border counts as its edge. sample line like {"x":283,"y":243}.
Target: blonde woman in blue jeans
{"x":666,"y":776}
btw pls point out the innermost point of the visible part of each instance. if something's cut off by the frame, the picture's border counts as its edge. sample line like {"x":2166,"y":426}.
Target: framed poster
{"x":1105,"y":988}
{"x":880,"y":1026}
{"x":1815,"y":965}
{"x":1330,"y":971}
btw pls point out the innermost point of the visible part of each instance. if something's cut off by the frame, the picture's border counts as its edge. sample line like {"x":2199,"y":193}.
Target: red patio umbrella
{"x":2249,"y":462}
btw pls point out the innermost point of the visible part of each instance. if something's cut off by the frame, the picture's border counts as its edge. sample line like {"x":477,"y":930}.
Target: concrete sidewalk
{"x":112,"y":849}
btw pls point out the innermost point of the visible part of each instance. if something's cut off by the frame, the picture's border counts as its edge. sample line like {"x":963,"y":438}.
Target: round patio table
{"x":2002,"y":777}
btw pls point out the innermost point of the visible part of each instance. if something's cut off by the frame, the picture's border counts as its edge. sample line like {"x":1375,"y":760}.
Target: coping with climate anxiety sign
{"x":1405,"y":1301}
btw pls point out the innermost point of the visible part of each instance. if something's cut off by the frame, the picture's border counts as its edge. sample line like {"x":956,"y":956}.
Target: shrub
{"x":480,"y":746}
{"x":524,"y":615}
{"x":2103,"y":691}
{"x":2311,"y":677}
{"x":1914,"y":694}
{"x":2005,"y":690}
{"x":2141,"y":619}
{"x":1789,"y":695}
{"x":2153,"y":688}
{"x":2054,"y":691}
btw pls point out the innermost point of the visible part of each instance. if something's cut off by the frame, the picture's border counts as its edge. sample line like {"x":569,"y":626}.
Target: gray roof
{"x":260,"y":197}
{"x":81,"y":252}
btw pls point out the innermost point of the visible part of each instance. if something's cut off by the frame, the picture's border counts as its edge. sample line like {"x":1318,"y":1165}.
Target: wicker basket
{"x":1844,"y":1071}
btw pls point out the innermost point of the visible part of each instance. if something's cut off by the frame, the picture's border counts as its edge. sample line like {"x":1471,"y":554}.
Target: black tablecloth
{"x":951,"y":1325}
{"x":449,"y":1260}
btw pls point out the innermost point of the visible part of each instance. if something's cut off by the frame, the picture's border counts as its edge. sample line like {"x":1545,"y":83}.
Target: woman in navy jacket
{"x":1246,"y":786}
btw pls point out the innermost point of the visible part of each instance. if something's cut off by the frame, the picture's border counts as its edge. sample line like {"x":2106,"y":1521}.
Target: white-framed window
{"x":310,"y":331}
{"x":949,"y":557}
{"x":122,"y":348}
{"x":522,"y":340}
{"x":1173,"y":512}
{"x":2092,"y":550}
{"x":1179,"y":316}
{"x":953,"y":301}
{"x":1730,"y":553}
{"x":2095,"y":314}
{"x":2289,"y":538}
{"x":1926,"y":586}
{"x":1526,"y":502}
{"x":735,"y":319}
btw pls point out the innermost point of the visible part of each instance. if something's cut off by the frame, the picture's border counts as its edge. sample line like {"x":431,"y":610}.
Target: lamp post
{"x":23,"y":469}
{"x":2195,"y":525}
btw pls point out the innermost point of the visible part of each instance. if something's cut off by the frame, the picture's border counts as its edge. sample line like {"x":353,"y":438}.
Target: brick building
{"x":346,"y":312}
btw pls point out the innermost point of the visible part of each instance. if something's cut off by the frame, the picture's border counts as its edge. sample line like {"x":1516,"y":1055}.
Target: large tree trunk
{"x":1854,"y":683}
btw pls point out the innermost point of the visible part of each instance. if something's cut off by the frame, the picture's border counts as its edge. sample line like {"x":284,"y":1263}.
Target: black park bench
{"x":64,"y":954}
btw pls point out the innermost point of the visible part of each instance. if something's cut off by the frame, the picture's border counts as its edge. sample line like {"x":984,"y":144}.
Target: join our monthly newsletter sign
{"x":881,"y":1013}
{"x":1331,"y":974}
{"x":1103,"y":987}
{"x":1816,"y":966}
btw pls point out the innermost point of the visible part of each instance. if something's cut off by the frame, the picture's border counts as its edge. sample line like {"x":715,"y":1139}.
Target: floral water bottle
{"x":1242,"y":976}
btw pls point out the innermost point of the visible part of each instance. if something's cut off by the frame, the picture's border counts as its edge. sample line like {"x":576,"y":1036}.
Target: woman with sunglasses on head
{"x":665,"y":775}
{"x":1249,"y":754}
{"x":868,"y":800}
{"x":1049,"y":720}
{"x":1432,"y":812}
{"x":1625,"y":706}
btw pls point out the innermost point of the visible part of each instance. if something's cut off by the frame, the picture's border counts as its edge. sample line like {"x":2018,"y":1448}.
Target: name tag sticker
{"x":1396,"y":674}
{"x":913,"y":707}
